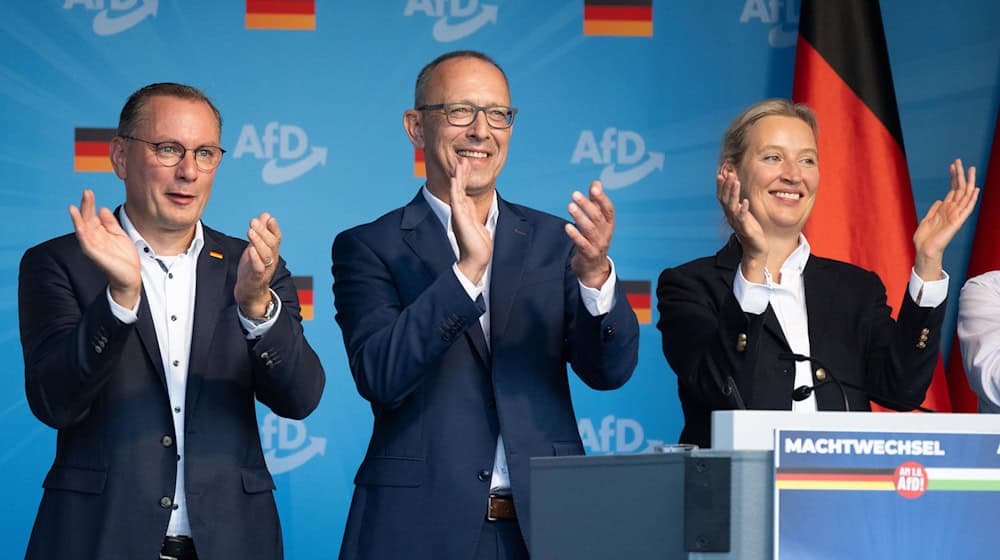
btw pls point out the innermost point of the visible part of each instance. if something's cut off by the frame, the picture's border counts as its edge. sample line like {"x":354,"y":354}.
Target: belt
{"x":178,"y":548}
{"x":500,"y":508}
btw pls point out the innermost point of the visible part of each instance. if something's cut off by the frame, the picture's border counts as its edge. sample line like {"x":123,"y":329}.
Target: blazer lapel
{"x":210,"y":300}
{"x":820,"y":290}
{"x":428,"y":239}
{"x":510,"y":247}
{"x":147,"y":336}
{"x":727,"y":260}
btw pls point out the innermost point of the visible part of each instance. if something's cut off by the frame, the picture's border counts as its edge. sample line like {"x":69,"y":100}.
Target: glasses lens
{"x":499,"y":117}
{"x":169,"y":153}
{"x":208,"y":157}
{"x":460,"y":114}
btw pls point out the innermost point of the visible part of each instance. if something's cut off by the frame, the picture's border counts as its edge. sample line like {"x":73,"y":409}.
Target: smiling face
{"x":779,"y":173}
{"x":164,"y":203}
{"x":469,"y":80}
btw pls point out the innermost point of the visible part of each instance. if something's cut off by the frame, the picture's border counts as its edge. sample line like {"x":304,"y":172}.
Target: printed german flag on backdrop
{"x":842,"y":71}
{"x":304,"y":288}
{"x":618,"y":17}
{"x":638,"y":294}
{"x":419,"y":166}
{"x":985,"y":257}
{"x":281,"y":14}
{"x":92,"y":148}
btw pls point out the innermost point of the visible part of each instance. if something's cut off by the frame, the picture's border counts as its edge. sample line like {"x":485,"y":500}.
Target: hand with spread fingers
{"x":475,"y":247}
{"x":257,"y":265}
{"x":105,"y":242}
{"x":943,"y":220}
{"x":595,"y":225}
{"x":746,"y":227}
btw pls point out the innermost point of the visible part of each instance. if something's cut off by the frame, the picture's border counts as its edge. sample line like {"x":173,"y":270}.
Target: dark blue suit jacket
{"x":440,"y":396}
{"x":101,"y":384}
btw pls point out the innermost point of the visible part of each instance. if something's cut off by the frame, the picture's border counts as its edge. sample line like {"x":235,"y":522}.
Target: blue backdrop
{"x":313,"y":133}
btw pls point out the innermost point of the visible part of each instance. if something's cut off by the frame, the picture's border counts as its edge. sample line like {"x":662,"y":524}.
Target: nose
{"x":187,"y":168}
{"x":479,"y":127}
{"x":791,"y":173}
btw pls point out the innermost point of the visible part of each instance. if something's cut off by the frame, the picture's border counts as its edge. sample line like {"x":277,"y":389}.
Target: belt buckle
{"x":165,"y":557}
{"x":489,"y":510}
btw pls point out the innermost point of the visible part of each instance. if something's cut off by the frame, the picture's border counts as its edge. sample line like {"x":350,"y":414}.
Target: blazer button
{"x":264,"y":355}
{"x":741,"y":342}
{"x":484,"y":475}
{"x":166,"y":502}
{"x":921,"y":345}
{"x":821,"y":374}
{"x":609,"y":331}
{"x":166,"y":441}
{"x":925,"y":332}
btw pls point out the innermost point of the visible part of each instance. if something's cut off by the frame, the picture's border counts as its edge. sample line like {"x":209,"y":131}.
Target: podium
{"x":704,"y":504}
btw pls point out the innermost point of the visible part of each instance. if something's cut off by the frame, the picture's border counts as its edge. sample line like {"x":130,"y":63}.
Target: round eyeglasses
{"x":170,"y":153}
{"x":464,"y":114}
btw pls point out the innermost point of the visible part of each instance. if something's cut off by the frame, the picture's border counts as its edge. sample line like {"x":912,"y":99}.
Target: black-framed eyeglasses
{"x":464,"y":114}
{"x":171,"y":153}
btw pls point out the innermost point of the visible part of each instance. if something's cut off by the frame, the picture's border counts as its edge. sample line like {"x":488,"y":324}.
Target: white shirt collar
{"x":196,"y":244}
{"x":443,"y":211}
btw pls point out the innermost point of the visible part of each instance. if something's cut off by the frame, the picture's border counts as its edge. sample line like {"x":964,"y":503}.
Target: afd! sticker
{"x":116,"y":16}
{"x":456,"y":19}
{"x":287,"y":443}
{"x":621,"y":152}
{"x":286,"y":149}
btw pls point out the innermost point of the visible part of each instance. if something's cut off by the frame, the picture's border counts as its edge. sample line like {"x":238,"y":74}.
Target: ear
{"x":414,"y":127}
{"x":118,"y":156}
{"x":727,"y":168}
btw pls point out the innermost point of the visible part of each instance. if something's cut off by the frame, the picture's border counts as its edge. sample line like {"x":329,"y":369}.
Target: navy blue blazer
{"x":101,"y":384}
{"x":707,"y":339}
{"x":440,"y":396}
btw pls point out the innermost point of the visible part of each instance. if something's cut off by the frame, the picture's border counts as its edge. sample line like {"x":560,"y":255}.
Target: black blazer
{"x":101,"y":384}
{"x":708,"y":339}
{"x":440,"y":396}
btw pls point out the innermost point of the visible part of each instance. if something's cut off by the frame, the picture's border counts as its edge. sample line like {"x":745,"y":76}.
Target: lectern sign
{"x":885,"y":494}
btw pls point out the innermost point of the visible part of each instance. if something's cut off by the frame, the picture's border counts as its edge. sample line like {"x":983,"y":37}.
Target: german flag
{"x":92,"y":149}
{"x":304,"y":289}
{"x":637,"y":292}
{"x":281,"y":14}
{"x":419,"y":167}
{"x":842,"y":71}
{"x":629,"y":18}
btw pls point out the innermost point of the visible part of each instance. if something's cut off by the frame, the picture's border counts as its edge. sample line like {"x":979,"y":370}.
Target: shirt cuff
{"x":124,"y":314}
{"x":599,"y":302}
{"x":753,"y":298}
{"x":928,"y":294}
{"x":256,"y":330}
{"x":474,"y":290}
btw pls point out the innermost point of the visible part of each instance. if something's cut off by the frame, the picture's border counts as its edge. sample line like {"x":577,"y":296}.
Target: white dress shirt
{"x":169,"y":283}
{"x":979,"y":335}
{"x":788,"y":300}
{"x":597,"y":302}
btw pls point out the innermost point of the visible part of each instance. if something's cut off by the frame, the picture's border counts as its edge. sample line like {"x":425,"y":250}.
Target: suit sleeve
{"x":70,"y":338}
{"x":902,"y":354}
{"x":603,"y":349}
{"x":709,"y":342}
{"x":392,"y":345}
{"x":288,"y":375}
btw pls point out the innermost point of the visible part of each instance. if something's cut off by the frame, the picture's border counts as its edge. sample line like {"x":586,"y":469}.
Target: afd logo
{"x":118,"y":16}
{"x":615,"y":435}
{"x":461,"y":19}
{"x":782,"y":14}
{"x":627,"y":149}
{"x":279,"y":142}
{"x":288,"y":437}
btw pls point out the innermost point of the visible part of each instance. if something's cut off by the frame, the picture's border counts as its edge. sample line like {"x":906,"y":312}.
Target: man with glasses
{"x":147,"y":336}
{"x":460,"y":312}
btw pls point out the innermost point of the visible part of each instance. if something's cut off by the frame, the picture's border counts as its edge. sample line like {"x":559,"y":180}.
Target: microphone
{"x":801,"y":393}
{"x":732,"y":390}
